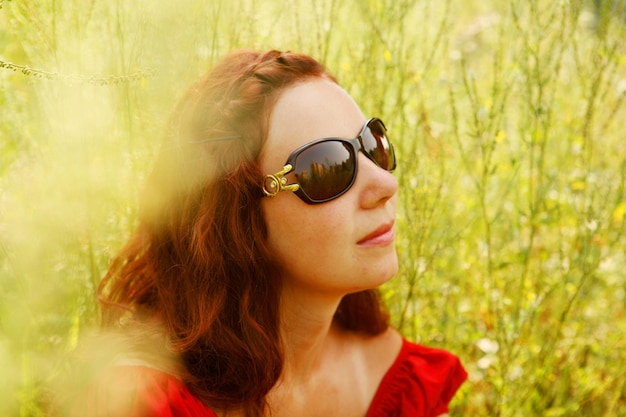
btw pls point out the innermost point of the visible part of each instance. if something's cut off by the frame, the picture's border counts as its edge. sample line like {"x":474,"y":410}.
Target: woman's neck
{"x":307,"y":331}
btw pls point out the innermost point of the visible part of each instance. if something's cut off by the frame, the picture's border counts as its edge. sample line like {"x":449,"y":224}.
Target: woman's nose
{"x":376,"y":185}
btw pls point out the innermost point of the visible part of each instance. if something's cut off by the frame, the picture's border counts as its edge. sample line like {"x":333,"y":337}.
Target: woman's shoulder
{"x":137,"y":391}
{"x":421,"y":381}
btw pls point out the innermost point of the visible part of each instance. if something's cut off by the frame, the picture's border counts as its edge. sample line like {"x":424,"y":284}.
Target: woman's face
{"x":344,"y":245}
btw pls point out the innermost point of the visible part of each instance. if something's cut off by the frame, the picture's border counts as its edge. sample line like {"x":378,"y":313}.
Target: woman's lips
{"x":383,"y":235}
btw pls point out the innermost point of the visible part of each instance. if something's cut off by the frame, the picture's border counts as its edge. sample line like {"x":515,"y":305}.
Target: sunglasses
{"x":325,"y":169}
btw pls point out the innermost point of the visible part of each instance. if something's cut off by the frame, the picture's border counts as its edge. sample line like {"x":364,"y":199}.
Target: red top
{"x":420,"y":383}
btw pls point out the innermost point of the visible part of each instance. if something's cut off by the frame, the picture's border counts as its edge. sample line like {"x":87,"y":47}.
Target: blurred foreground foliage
{"x":509,"y":120}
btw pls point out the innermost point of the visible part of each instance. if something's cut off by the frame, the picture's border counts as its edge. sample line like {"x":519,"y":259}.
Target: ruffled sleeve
{"x":420,"y":383}
{"x":138,"y":391}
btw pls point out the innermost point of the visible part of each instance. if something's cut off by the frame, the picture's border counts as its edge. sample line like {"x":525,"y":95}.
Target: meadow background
{"x":510,"y":125}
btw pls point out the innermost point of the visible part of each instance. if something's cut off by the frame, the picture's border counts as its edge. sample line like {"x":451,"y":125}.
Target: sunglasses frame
{"x":275,"y":183}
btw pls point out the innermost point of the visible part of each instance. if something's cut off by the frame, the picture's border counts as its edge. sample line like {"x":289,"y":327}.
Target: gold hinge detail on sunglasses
{"x":275,"y":183}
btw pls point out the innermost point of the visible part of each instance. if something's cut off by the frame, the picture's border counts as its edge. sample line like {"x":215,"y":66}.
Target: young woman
{"x":250,"y":285}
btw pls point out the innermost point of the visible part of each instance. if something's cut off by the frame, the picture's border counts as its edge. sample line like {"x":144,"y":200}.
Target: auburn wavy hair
{"x":198,"y":263}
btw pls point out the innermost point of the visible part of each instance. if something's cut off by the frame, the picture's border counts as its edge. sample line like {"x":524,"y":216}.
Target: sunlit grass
{"x":509,"y":123}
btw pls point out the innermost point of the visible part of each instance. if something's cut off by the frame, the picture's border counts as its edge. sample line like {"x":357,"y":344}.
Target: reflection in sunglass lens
{"x":376,"y":145}
{"x":325,"y":169}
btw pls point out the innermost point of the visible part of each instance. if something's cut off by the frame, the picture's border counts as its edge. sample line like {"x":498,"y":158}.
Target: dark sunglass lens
{"x":325,"y":169}
{"x":377,"y":146}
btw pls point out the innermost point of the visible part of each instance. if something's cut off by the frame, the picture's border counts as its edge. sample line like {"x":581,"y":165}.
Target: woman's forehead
{"x":307,"y":111}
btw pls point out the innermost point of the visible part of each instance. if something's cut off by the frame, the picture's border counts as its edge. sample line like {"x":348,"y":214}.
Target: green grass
{"x":509,"y":119}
